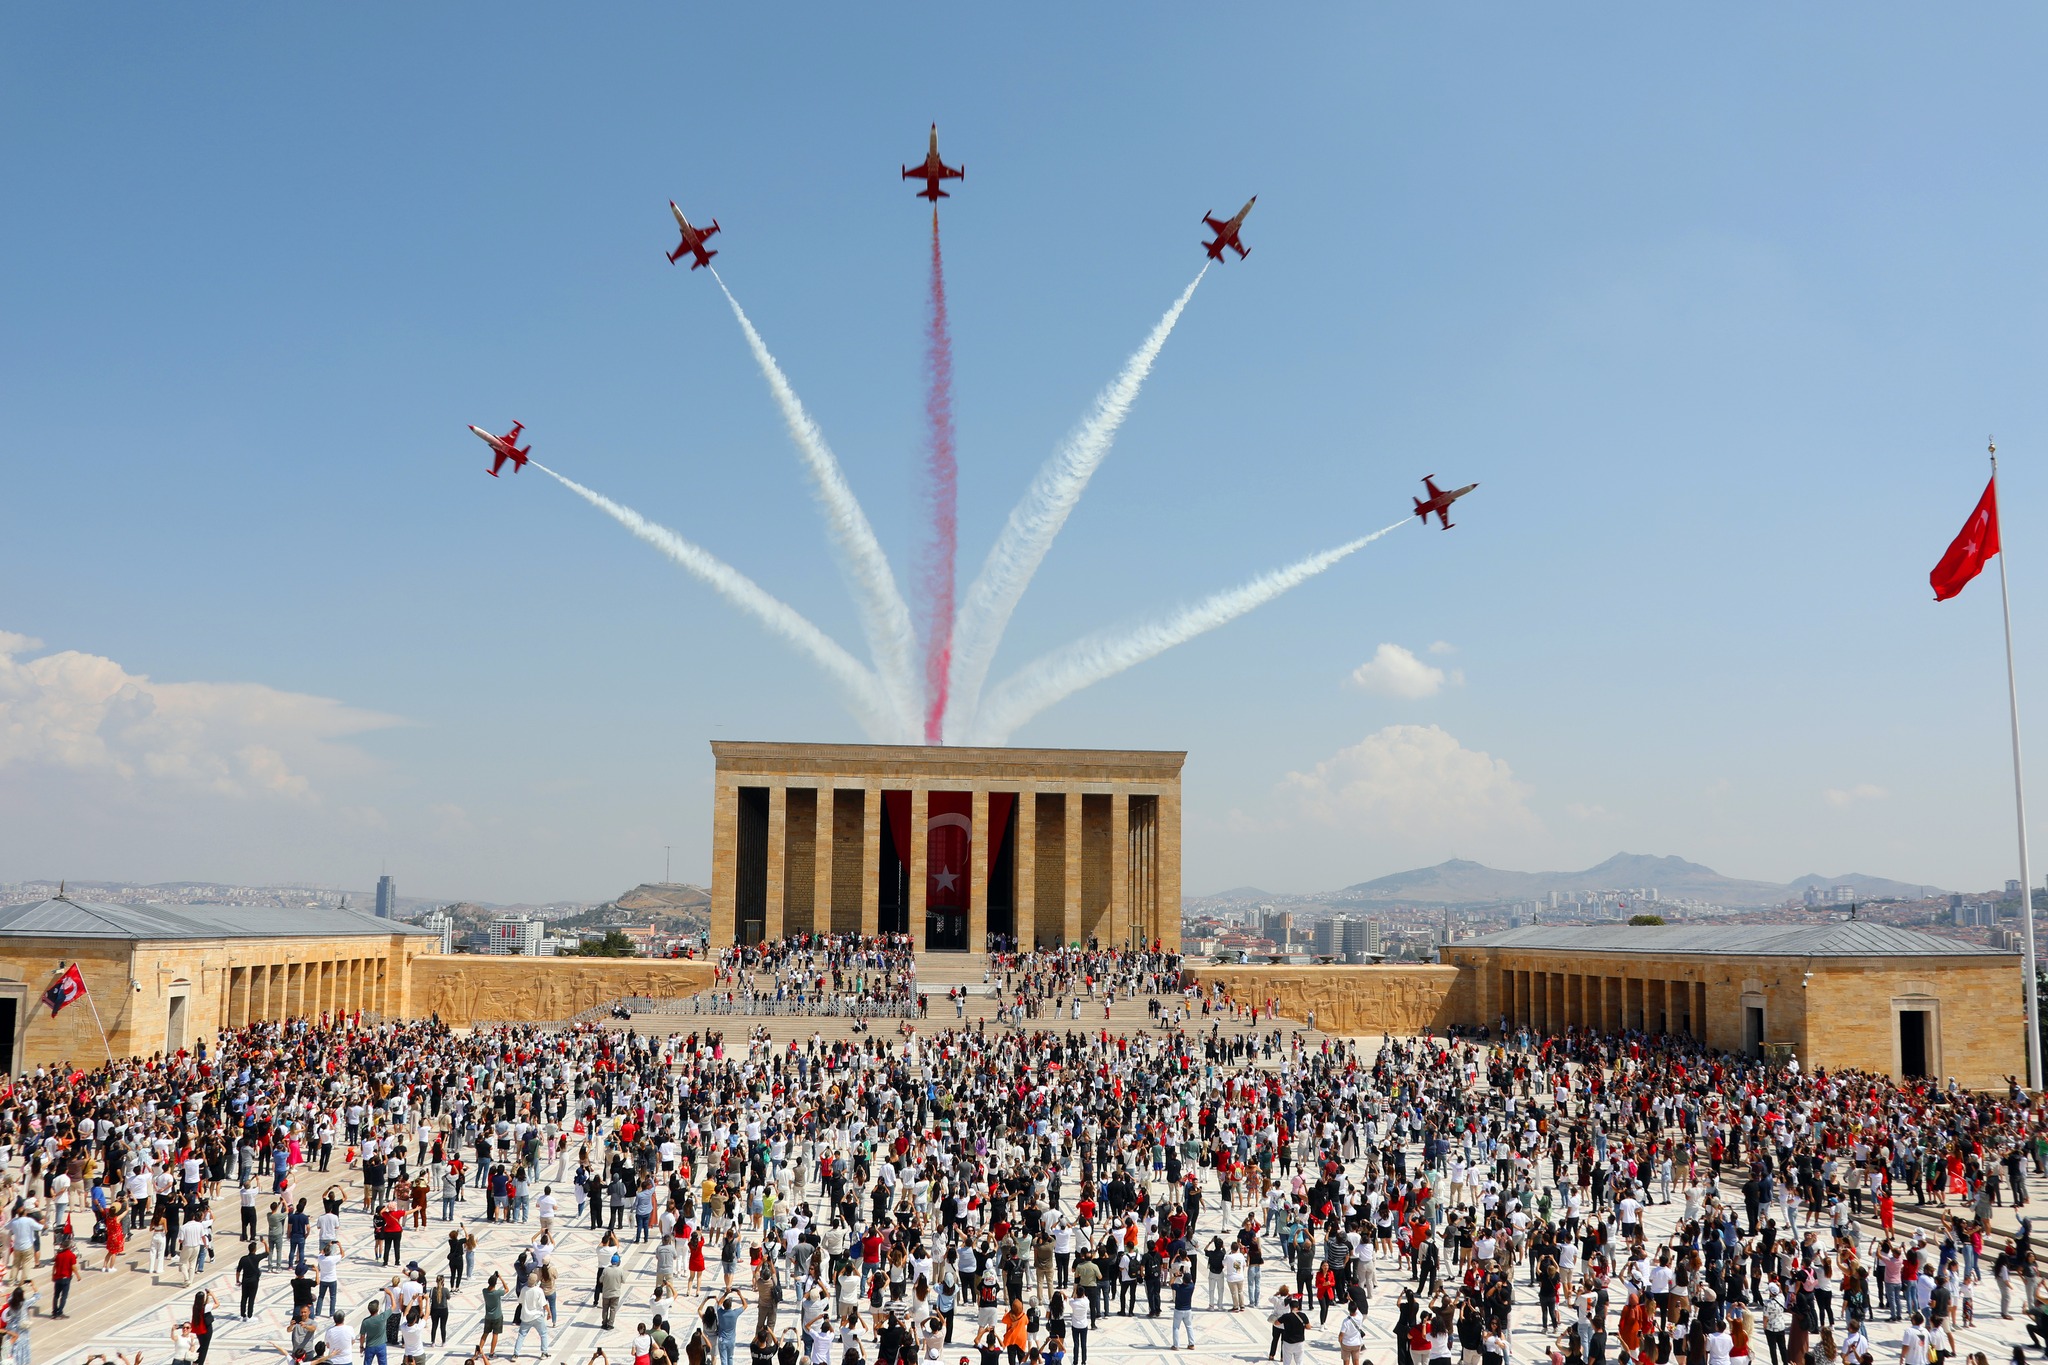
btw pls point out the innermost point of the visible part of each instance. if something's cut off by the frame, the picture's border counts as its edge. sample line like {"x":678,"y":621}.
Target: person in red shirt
{"x":392,"y":1220}
{"x":62,"y":1270}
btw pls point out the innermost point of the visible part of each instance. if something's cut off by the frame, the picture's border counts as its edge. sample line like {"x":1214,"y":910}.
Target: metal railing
{"x":739,"y":1005}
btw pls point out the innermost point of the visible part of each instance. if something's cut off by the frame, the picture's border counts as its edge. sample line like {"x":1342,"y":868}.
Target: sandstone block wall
{"x":1352,"y":1000}
{"x":463,"y":989}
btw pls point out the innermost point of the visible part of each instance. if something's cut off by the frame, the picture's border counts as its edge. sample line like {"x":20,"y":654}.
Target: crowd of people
{"x":1012,"y":1191}
{"x":830,"y":975}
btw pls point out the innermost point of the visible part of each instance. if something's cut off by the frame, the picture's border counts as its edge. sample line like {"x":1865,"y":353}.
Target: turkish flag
{"x":1972,"y":548}
{"x":66,"y":988}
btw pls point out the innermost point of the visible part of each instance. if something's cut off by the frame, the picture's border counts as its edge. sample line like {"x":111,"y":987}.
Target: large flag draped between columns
{"x":949,"y":840}
{"x":1972,"y":548}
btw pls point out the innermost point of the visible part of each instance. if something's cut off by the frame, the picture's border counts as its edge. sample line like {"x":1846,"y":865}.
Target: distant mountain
{"x":1237,"y":893}
{"x":1869,"y":888}
{"x":1463,"y":882}
{"x":665,"y":897}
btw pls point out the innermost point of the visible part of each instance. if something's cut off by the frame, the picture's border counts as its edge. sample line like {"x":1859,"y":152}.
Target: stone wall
{"x":1977,"y":1017}
{"x":465,"y":988}
{"x":156,"y":995}
{"x":1352,"y":1000}
{"x":1831,"y":1011}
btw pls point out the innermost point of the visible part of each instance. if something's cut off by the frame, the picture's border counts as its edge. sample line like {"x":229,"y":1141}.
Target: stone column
{"x":1699,"y":1010}
{"x":920,"y":851}
{"x":1168,"y":863}
{"x":870,"y":861}
{"x":1119,"y":934}
{"x":822,"y":861}
{"x":778,"y":851}
{"x":980,"y":838}
{"x":1070,"y":895}
{"x":725,"y":866}
{"x":1026,"y":855}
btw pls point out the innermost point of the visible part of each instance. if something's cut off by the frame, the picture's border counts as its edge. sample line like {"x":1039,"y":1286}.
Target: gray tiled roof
{"x":1838,"y":938}
{"x":67,"y":918}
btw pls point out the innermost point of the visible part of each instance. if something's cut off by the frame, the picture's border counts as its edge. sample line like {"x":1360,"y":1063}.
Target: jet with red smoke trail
{"x":1226,"y":233}
{"x":505,"y":448}
{"x":933,"y":171}
{"x":1439,"y":502}
{"x":693,"y":239}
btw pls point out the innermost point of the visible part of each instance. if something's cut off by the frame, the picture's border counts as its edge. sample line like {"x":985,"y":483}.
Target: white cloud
{"x":1592,"y":814}
{"x":1849,"y":796}
{"x":1395,"y":672}
{"x":1443,"y":647}
{"x":1413,"y":781}
{"x":87,"y":715}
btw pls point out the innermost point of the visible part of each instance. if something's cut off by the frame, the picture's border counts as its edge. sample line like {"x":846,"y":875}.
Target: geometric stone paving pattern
{"x":123,"y":1313}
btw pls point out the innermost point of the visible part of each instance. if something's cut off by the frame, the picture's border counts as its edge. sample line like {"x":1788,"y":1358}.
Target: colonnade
{"x":305,"y":990}
{"x":1550,"y":1002}
{"x":1087,"y":861}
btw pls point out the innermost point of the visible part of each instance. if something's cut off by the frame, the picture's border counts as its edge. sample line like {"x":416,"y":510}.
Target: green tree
{"x":1645,"y":919}
{"x":613,"y":944}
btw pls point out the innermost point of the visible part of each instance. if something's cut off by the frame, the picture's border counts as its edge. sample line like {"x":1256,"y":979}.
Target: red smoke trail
{"x":942,"y":473}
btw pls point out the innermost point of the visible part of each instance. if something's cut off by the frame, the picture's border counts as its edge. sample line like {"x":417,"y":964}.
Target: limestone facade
{"x":1049,"y":845}
{"x":1948,"y":1010}
{"x":157,"y":996}
{"x":1353,"y":1001}
{"x":466,"y":989}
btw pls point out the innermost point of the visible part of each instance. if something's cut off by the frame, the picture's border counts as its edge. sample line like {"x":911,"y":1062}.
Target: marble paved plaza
{"x":123,"y":1312}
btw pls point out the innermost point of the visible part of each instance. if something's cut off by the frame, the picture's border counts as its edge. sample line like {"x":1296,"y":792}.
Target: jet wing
{"x":1215,"y":226}
{"x":1429,"y":482}
{"x":1443,"y":514}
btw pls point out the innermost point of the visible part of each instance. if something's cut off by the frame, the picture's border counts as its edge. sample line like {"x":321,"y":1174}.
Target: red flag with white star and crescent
{"x":1971,"y":550}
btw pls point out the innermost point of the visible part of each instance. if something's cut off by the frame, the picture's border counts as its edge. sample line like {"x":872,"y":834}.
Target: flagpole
{"x":101,"y":1027}
{"x":2019,"y":793}
{"x":87,"y":993}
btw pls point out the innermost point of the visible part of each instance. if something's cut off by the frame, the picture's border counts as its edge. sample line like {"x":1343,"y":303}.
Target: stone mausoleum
{"x":954,"y":846}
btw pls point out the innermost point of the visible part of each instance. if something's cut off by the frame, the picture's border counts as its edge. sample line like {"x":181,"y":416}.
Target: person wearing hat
{"x":611,"y":1287}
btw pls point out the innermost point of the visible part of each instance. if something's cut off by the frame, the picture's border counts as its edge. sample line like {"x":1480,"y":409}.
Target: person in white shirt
{"x":533,"y":1317}
{"x":191,"y":1235}
{"x":1351,"y":1337}
{"x":1913,"y":1342}
{"x":341,"y":1341}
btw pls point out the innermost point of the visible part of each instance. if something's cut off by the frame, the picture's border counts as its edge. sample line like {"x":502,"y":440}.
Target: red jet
{"x":1439,"y":501}
{"x":933,"y":171}
{"x":505,"y":448}
{"x":1226,"y":233}
{"x":693,"y":240}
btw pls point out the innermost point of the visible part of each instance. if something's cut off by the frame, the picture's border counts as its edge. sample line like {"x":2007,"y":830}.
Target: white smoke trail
{"x":864,"y":695}
{"x":1034,"y":522}
{"x":884,"y":616}
{"x":1053,"y":677}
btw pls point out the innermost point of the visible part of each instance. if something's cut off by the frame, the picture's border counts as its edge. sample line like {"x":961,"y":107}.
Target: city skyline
{"x":1720,"y":318}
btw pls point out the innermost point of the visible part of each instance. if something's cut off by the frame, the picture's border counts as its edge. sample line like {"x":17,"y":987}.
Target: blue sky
{"x":1720,"y":309}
